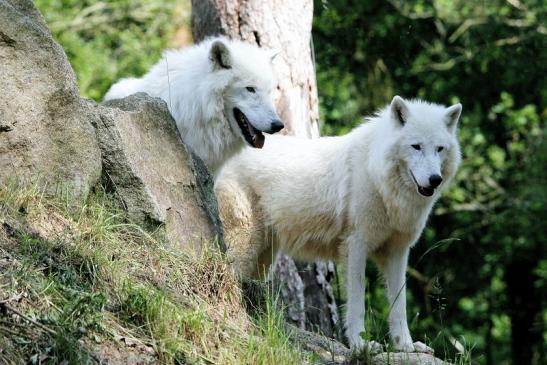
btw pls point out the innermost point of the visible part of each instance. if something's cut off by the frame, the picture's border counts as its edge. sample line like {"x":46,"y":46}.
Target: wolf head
{"x":249,"y":86}
{"x":427,"y":148}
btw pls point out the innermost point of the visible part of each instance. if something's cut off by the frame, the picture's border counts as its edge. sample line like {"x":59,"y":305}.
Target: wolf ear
{"x":220,"y":56}
{"x":452,"y":116}
{"x":399,"y":110}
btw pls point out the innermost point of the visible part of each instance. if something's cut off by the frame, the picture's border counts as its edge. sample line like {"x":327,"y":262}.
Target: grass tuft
{"x":89,"y":284}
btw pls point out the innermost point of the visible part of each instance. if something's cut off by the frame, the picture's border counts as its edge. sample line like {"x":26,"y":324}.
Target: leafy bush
{"x":107,"y":40}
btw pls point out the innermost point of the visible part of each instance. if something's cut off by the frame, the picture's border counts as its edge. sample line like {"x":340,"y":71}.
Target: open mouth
{"x":253,"y":136}
{"x":422,"y":190}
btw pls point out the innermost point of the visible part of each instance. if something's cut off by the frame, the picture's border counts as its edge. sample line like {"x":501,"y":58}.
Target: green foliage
{"x":492,"y":57}
{"x":107,"y":40}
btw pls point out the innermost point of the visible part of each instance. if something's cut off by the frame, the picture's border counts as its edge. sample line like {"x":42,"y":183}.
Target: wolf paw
{"x":370,"y":347}
{"x":415,"y":347}
{"x":374,"y":347}
{"x":422,"y":347}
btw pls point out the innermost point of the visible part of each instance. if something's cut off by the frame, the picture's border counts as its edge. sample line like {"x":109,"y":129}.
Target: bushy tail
{"x":123,"y":88}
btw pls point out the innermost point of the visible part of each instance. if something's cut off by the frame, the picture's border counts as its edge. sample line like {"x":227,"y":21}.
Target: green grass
{"x":79,"y":280}
{"x":271,"y":324}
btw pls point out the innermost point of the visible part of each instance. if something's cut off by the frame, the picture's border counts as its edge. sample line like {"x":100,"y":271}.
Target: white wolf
{"x":219,"y":92}
{"x":365,"y":194}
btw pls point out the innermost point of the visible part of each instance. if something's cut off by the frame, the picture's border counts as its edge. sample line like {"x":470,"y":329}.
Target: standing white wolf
{"x":219,"y":92}
{"x":365,"y":194}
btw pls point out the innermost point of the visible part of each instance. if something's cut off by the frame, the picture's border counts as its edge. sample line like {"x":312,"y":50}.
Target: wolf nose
{"x":276,"y":126}
{"x":435,"y":180}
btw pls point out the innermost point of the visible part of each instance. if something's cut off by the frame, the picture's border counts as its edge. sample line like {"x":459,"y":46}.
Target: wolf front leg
{"x":355,"y":308}
{"x":395,"y":275}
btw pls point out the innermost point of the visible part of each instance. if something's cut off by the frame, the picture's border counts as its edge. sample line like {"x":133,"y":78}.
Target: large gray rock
{"x":45,"y":129}
{"x":158,"y":181}
{"x":49,"y":134}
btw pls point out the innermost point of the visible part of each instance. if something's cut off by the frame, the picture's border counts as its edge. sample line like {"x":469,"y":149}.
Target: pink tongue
{"x":259,"y":140}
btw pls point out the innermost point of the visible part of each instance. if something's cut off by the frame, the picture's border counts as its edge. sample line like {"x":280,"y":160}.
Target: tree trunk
{"x":284,"y":25}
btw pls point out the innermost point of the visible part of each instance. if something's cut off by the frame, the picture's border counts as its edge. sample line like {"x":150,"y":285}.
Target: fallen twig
{"x":12,"y":332}
{"x":4,"y":301}
{"x":38,"y":324}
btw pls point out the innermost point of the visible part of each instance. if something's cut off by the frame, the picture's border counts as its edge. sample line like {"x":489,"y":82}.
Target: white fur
{"x":346,"y":198}
{"x":201,"y":87}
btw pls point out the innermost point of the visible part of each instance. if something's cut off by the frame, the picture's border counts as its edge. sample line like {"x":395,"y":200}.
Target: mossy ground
{"x":79,"y":283}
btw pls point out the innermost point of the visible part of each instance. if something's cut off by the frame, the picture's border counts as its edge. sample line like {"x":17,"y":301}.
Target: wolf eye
{"x":417,"y":147}
{"x":440,"y":148}
{"x":251,"y":89}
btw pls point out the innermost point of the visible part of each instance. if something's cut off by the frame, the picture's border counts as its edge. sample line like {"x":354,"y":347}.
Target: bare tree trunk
{"x":284,"y":25}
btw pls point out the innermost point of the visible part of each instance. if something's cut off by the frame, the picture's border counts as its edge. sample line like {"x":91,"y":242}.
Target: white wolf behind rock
{"x":219,"y":92}
{"x":347,"y":198}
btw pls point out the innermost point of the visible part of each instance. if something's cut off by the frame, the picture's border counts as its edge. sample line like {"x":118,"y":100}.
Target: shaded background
{"x":478,"y":275}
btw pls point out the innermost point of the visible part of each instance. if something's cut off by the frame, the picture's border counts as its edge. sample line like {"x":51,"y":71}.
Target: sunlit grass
{"x":91,"y":278}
